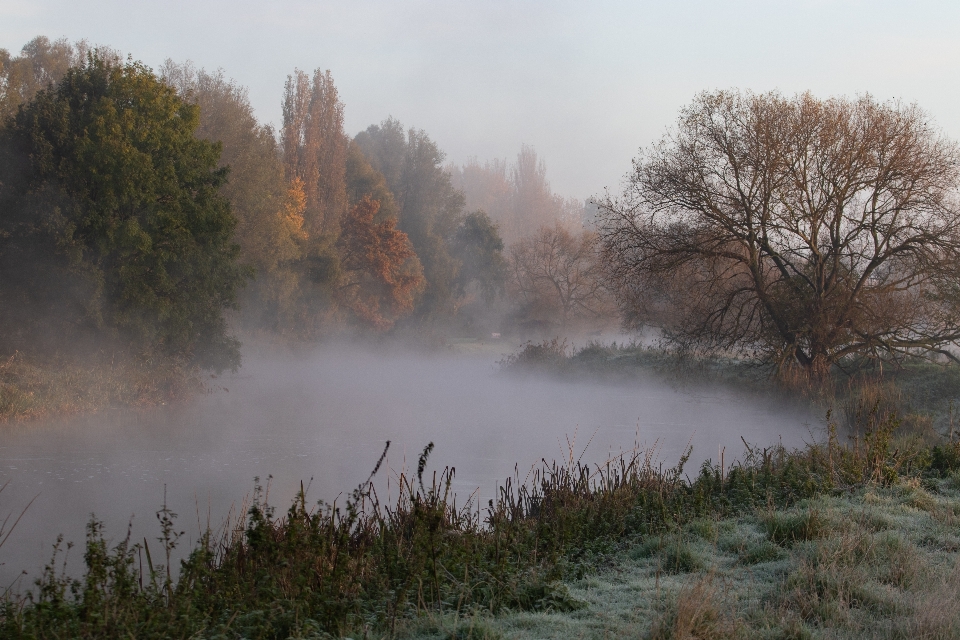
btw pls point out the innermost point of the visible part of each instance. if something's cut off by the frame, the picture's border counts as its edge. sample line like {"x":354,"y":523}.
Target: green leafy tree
{"x":363,"y":181}
{"x":478,"y":247}
{"x":110,"y":195}
{"x":430,"y":207}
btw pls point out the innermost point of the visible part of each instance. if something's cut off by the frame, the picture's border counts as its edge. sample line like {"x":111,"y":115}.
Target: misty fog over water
{"x":325,"y":414}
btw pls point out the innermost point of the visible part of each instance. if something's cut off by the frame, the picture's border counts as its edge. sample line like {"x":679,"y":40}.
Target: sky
{"x":587,"y":84}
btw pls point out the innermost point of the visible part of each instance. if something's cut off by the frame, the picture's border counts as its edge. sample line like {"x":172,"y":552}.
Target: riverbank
{"x":879,"y":562}
{"x":921,"y":392}
{"x":41,"y":388}
{"x":837,"y":539}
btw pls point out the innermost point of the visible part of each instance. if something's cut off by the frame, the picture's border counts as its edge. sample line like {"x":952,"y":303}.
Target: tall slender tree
{"x":517,"y":196}
{"x":268,"y":208}
{"x":315,"y":147}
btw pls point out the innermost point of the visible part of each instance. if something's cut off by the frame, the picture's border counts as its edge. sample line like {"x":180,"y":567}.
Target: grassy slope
{"x":877,"y":563}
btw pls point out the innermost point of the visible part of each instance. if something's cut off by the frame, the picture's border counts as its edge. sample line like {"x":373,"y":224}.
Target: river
{"x":322,"y":416}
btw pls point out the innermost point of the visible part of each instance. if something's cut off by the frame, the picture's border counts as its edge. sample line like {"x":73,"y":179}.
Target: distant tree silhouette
{"x":557,"y":276}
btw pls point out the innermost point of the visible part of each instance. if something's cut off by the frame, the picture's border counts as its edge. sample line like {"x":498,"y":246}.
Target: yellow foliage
{"x":294,"y":204}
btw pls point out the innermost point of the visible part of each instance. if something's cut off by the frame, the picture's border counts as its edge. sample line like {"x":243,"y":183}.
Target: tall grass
{"x":32,"y":388}
{"x":367,"y":568}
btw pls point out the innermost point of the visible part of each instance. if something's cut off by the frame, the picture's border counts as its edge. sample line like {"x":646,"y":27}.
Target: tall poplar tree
{"x":315,"y":148}
{"x":269,"y":210}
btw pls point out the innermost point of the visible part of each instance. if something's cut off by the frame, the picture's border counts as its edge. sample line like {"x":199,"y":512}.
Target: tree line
{"x":152,"y":211}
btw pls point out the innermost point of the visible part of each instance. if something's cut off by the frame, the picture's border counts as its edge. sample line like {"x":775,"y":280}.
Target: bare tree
{"x":557,"y":275}
{"x":799,"y":230}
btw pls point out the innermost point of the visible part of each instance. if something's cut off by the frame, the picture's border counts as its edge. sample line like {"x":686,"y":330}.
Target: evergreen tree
{"x":111,"y":217}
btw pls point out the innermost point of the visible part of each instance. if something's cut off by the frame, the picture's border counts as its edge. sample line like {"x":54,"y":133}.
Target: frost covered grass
{"x":882,"y":562}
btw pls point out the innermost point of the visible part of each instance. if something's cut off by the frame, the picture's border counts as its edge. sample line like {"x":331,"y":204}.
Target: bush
{"x":549,"y":355}
{"x":798,"y":526}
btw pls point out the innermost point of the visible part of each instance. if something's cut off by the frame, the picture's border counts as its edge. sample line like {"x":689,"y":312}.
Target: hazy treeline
{"x":517,"y":196}
{"x":144,"y":207}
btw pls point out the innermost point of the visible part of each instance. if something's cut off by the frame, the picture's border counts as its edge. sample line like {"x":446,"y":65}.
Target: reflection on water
{"x":325,"y":415}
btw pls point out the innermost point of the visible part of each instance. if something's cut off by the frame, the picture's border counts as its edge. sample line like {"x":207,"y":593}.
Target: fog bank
{"x":325,"y":414}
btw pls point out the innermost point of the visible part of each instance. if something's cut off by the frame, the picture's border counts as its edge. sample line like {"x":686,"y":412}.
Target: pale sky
{"x":586,"y":83}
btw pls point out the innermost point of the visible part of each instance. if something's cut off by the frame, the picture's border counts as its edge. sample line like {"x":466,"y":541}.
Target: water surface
{"x":325,"y":415}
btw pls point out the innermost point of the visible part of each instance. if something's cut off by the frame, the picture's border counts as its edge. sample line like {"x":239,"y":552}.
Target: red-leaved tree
{"x":381,"y":272}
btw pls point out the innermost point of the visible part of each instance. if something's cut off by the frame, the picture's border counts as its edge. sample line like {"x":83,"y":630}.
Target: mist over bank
{"x":324,"y":413}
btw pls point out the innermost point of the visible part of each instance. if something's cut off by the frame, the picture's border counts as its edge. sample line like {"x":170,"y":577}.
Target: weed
{"x":697,"y":612}
{"x":544,"y":596}
{"x":549,"y":354}
{"x":679,"y":556}
{"x":760,"y":551}
{"x":704,"y":528}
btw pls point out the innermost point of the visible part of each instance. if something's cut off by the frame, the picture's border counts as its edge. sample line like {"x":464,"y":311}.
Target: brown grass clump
{"x":698,"y":614}
{"x":936,"y":611}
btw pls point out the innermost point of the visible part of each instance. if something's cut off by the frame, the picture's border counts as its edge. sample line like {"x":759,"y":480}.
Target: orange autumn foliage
{"x":381,"y":272}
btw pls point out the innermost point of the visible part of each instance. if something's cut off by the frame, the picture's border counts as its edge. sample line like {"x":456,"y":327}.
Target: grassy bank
{"x":878,"y":562}
{"x":923,"y":394}
{"x":33,"y":388}
{"x":544,"y":558}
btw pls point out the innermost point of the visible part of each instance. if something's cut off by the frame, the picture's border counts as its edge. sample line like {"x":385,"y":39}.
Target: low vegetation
{"x":32,"y":389}
{"x":921,"y":392}
{"x":840,"y":537}
{"x":878,"y":562}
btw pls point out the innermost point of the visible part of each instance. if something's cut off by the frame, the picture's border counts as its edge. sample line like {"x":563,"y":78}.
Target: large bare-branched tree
{"x":800,"y":230}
